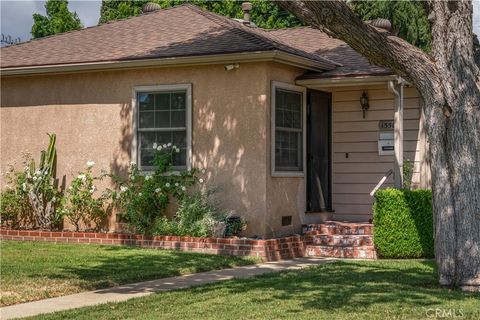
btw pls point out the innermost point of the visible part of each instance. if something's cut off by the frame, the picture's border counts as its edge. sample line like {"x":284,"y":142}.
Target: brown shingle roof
{"x":316,"y":42}
{"x":184,"y":30}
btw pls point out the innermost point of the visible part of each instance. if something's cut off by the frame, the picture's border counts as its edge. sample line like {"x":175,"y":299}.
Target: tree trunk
{"x":448,"y":82}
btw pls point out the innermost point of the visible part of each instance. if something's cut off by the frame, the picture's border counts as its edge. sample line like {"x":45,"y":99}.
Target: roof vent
{"x":150,"y":7}
{"x":381,"y":23}
{"x":246,"y":7}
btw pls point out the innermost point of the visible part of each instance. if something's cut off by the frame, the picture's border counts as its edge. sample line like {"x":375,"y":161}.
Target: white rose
{"x":164,"y":146}
{"x":167,"y":184}
{"x":169,"y":144}
{"x":90,"y":164}
{"x":183,"y":188}
{"x":123,"y":188}
{"x":159,"y":148}
{"x":176,"y":184}
{"x":177,"y":150}
{"x":155,"y":145}
{"x":148,"y":178}
{"x":81,"y":177}
{"x":200,"y":180}
{"x":139,"y":194}
{"x":158,"y":190}
{"x":133,"y":163}
{"x":34,"y":178}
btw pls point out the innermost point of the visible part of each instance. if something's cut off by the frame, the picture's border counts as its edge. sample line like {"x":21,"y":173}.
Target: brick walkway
{"x":135,"y":290}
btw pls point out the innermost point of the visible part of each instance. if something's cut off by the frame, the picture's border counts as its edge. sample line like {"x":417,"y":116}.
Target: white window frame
{"x":188,"y":114}
{"x":290,"y":87}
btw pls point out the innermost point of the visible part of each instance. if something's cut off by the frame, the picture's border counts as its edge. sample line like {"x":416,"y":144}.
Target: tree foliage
{"x":408,"y":19}
{"x":58,"y":19}
{"x":265,"y":14}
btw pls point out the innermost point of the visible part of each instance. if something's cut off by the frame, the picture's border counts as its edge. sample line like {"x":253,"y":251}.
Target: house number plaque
{"x":386,"y":125}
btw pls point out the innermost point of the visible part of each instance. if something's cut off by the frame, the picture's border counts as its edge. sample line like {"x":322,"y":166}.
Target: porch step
{"x":352,"y":252}
{"x":338,"y":228}
{"x":339,"y":240}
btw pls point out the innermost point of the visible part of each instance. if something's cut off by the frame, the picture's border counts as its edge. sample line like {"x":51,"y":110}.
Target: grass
{"x":403,"y":289}
{"x":39,"y":270}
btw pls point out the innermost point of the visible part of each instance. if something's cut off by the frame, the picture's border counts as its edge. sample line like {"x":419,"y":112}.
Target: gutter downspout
{"x":398,"y":130}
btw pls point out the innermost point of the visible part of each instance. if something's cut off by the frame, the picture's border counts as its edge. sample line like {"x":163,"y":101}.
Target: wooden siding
{"x":355,"y":176}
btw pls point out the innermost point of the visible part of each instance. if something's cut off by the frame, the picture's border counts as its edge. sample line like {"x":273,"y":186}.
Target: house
{"x":274,"y":116}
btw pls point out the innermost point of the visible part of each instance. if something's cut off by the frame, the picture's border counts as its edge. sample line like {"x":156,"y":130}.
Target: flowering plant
{"x":144,"y":197}
{"x":80,"y":205}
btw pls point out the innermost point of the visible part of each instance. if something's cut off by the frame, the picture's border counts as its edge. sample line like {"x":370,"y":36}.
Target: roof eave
{"x":255,"y":56}
{"x":345,"y":81}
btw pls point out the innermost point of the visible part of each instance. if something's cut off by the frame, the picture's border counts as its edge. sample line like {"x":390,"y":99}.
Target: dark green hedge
{"x":403,"y":222}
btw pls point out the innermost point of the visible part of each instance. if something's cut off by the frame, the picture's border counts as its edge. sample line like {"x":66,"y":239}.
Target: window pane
{"x":162,"y":101}
{"x":178,"y":100}
{"x":146,"y":147}
{"x":145,"y":101}
{"x":178,"y":119}
{"x":164,"y":137}
{"x":146,"y":119}
{"x":162,"y":119}
{"x":288,"y":150}
{"x":179,"y":138}
{"x":288,"y":109}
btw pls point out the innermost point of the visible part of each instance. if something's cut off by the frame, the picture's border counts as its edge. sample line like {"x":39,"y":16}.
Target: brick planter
{"x":268,"y":250}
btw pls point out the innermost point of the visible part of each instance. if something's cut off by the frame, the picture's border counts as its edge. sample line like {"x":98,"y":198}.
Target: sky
{"x":16,"y":16}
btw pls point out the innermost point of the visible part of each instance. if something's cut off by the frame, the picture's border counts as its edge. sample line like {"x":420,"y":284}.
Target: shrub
{"x":143,"y":198}
{"x":403,"y":222}
{"x":196,"y":216}
{"x":81,"y":207}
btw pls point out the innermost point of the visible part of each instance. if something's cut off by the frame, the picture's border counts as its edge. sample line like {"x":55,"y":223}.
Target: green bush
{"x":143,"y":197}
{"x":81,"y":207}
{"x":403,"y":222}
{"x":197,"y":216}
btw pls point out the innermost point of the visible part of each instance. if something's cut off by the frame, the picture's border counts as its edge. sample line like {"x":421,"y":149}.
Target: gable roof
{"x":181,"y":32}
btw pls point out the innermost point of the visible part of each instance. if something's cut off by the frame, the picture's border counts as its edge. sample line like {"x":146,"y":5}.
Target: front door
{"x":319,"y":149}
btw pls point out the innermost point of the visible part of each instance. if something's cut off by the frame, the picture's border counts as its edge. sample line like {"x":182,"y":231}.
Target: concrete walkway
{"x":140,"y":289}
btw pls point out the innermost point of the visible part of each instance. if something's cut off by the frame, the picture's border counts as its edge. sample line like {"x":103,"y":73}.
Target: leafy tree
{"x":408,"y":19}
{"x":447,"y":80}
{"x":264,"y":14}
{"x":59,"y":19}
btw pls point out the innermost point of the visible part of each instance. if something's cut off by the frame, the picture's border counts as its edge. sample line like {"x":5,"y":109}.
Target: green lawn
{"x":38,"y":270}
{"x":342,"y":290}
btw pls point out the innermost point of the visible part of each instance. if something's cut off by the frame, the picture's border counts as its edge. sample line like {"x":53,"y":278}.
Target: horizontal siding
{"x":354,"y":177}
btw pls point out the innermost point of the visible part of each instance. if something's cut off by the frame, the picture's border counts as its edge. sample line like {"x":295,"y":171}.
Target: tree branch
{"x":381,"y":48}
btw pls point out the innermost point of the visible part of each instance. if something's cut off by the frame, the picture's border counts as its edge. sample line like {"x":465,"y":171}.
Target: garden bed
{"x":267,"y":250}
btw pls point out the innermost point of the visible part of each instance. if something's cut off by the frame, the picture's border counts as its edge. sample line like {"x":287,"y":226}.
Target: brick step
{"x":353,"y":252}
{"x":339,"y":240}
{"x":338,"y":228}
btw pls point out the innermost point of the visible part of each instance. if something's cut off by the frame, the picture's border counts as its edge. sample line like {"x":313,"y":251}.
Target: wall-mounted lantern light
{"x":364,"y":103}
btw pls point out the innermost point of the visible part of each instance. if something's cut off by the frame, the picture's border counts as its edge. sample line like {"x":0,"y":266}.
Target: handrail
{"x":381,"y":182}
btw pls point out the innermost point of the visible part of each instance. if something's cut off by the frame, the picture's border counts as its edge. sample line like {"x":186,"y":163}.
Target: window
{"x":162,"y":115}
{"x":288,"y":122}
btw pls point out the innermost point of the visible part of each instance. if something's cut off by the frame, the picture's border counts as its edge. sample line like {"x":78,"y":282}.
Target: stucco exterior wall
{"x":91,"y":115}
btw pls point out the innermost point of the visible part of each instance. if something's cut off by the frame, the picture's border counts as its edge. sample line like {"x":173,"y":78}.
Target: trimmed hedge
{"x":403,"y":222}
